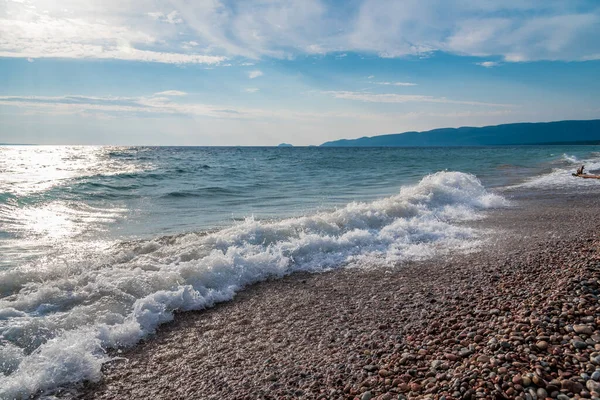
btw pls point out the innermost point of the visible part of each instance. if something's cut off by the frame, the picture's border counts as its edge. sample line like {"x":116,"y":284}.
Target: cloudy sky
{"x":262,"y":72}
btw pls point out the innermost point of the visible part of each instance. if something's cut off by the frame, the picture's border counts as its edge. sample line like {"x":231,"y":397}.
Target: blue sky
{"x":262,"y":72}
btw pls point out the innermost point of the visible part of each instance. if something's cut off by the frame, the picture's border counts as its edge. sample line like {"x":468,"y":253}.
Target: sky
{"x":264,"y":72}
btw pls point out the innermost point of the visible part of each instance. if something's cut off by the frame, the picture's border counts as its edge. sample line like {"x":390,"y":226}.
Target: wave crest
{"x":118,"y":297}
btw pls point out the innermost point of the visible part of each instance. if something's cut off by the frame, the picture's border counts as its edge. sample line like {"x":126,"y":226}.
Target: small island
{"x":285,"y":145}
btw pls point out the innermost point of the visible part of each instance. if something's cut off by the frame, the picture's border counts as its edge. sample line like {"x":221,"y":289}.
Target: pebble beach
{"x":518,"y":319}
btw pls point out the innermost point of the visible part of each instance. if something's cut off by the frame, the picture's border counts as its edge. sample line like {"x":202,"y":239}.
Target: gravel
{"x":519,"y":319}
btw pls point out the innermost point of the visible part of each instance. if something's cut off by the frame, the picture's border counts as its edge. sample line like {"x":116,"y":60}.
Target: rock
{"x":415,"y":387}
{"x":583,"y":329}
{"x":436,"y":364}
{"x":366,"y":395}
{"x":578,"y":344}
{"x":592,"y":386}
{"x":526,"y":381}
{"x":483,"y":358}
{"x":537,"y":380}
{"x":571,"y":386}
{"x":596,"y":375}
{"x":542,"y":345}
{"x":494,"y":311}
{"x":450,"y":357}
{"x":541,"y":393}
{"x":517,"y":380}
{"x":370,"y":368}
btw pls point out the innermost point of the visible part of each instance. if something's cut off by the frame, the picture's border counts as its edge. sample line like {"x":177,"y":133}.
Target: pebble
{"x":483,"y":359}
{"x":592,"y":386}
{"x":395,"y":341}
{"x":542,"y":345}
{"x":583,"y":329}
{"x":578,"y":344}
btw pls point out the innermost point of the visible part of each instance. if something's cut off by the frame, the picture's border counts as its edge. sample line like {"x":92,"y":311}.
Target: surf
{"x":61,"y":315}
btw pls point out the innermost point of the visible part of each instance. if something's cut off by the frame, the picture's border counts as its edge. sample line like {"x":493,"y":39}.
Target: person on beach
{"x":580,"y":170}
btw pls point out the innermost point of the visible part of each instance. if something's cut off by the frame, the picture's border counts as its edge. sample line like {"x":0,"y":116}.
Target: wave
{"x":570,"y":158}
{"x":63,"y":314}
{"x":561,"y":177}
{"x":213,"y":191}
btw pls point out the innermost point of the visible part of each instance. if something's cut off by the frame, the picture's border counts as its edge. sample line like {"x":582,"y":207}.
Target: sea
{"x":100,"y":245}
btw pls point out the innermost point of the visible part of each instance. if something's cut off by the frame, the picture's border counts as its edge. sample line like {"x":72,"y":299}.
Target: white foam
{"x":61,"y":315}
{"x":561,"y":177}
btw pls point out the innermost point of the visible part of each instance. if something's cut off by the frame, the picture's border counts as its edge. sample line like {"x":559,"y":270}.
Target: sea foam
{"x":59,"y":316}
{"x":560,"y":176}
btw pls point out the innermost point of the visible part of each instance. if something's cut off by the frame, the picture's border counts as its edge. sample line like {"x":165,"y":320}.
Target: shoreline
{"x":387,"y":332}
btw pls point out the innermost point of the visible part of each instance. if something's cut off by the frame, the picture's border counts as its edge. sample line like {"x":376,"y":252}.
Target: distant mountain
{"x":285,"y":145}
{"x":563,"y":132}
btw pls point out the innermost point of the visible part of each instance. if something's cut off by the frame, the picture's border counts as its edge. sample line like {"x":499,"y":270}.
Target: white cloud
{"x":170,"y":18}
{"x":514,"y":30}
{"x":488,"y":64}
{"x":251,"y":90}
{"x":171,"y":93}
{"x":395,"y":83}
{"x":404,"y":98}
{"x":160,"y":104}
{"x":156,"y":15}
{"x":255,"y":74}
{"x":173,"y":18}
{"x":90,"y":30}
{"x":370,"y":76}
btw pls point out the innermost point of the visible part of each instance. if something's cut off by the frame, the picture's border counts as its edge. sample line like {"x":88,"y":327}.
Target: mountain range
{"x":559,"y":132}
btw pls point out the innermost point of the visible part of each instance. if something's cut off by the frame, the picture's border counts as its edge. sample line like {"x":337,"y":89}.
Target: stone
{"x":583,"y":329}
{"x":415,"y":387}
{"x":366,"y":395}
{"x":384,"y":373}
{"x":526,"y":381}
{"x":571,"y":386}
{"x":596,"y":375}
{"x":541,"y":393}
{"x":578,"y":344}
{"x":542,"y":345}
{"x":370,"y":368}
{"x":592,"y":385}
{"x":483,"y":358}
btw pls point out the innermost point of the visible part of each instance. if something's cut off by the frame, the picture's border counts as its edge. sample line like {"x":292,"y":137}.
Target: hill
{"x":559,"y":132}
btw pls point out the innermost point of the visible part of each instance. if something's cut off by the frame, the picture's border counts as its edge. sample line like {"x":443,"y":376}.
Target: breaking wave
{"x":561,"y":177}
{"x":59,"y":316}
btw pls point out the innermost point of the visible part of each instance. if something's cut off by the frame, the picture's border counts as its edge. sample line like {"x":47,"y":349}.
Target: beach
{"x":516,"y":319}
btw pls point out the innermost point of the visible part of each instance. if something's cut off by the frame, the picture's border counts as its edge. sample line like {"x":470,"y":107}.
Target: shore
{"x":518,"y":319}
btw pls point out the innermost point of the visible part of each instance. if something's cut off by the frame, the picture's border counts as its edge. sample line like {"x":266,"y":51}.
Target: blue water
{"x":49,"y":194}
{"x":99,"y":245}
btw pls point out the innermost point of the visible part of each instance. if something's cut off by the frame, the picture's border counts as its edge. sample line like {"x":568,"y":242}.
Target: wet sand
{"x":518,"y":319}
